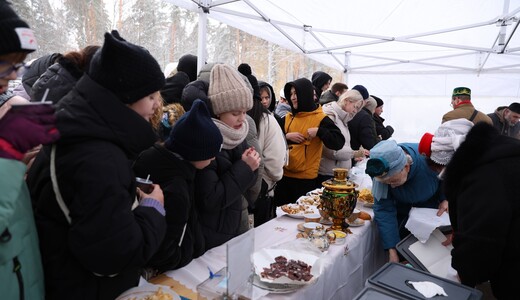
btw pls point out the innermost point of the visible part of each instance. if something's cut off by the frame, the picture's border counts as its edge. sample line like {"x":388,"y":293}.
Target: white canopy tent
{"x":396,"y":48}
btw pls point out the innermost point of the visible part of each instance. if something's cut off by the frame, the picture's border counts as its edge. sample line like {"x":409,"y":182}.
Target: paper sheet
{"x":433,"y":255}
{"x":422,"y":221}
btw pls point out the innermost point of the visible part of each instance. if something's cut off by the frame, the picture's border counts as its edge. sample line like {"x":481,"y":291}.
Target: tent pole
{"x":345,"y":67}
{"x":202,"y":34}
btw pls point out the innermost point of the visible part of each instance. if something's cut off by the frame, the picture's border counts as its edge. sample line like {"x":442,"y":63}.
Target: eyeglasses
{"x":19,"y":68}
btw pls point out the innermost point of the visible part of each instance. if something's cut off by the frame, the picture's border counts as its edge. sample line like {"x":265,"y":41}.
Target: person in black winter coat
{"x":321,"y":82}
{"x":36,"y":69}
{"x":362,"y":127}
{"x":61,"y":77}
{"x":383,"y":132}
{"x":188,"y":64}
{"x":96,"y":244}
{"x":481,"y":185}
{"x":172,"y":91}
{"x":173,"y":166}
{"x":197,"y":89}
{"x":221,"y":187}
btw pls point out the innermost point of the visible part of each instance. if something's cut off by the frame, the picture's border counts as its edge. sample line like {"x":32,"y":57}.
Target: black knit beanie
{"x":195,"y":137}
{"x":245,"y":70}
{"x":378,"y":100}
{"x":514,"y":107}
{"x":128,"y":70}
{"x":15,"y":34}
{"x":188,"y":64}
{"x":362,"y":90}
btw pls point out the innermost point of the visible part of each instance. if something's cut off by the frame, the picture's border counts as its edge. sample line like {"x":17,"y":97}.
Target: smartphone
{"x":29,"y":105}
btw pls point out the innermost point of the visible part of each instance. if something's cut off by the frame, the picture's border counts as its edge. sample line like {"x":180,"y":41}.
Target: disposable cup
{"x":145,"y":185}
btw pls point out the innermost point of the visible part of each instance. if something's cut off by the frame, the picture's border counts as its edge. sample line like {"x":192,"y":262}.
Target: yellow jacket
{"x":304,"y":158}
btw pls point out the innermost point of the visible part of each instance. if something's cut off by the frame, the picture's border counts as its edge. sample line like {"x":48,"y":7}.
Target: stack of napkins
{"x":422,"y":222}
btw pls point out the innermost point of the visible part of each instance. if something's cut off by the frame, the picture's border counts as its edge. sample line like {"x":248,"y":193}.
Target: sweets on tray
{"x":292,"y":269}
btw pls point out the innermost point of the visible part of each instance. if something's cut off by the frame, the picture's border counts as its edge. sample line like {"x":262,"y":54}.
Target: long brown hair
{"x":83,"y":57}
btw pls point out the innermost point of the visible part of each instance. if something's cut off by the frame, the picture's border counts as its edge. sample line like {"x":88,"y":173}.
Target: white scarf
{"x":232,"y":137}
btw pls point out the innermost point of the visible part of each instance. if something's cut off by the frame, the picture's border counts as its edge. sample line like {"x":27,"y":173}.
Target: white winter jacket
{"x":271,"y":141}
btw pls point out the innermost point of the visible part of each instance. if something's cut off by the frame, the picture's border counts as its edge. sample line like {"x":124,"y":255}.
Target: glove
{"x":24,"y":127}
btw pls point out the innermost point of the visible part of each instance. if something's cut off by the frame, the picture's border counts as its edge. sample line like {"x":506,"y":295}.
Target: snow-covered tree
{"x":87,"y":20}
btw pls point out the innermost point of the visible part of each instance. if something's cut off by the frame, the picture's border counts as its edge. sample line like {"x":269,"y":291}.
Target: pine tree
{"x":88,"y":20}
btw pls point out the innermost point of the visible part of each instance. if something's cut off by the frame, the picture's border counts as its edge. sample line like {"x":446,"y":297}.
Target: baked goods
{"x":365,"y":216}
{"x":297,"y":209}
{"x":366,"y":196}
{"x":309,"y":200}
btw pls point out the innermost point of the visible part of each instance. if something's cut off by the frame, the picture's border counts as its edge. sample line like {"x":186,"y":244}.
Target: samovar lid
{"x":335,"y":185}
{"x":340,"y":181}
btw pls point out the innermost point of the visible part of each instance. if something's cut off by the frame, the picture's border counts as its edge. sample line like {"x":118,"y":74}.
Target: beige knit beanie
{"x":228,"y":91}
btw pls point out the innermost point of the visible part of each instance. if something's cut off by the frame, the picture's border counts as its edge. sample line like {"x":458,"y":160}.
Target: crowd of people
{"x":222,"y":152}
{"x":467,"y":168}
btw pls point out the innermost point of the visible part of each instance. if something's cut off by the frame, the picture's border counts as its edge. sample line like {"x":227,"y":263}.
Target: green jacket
{"x":18,"y":236}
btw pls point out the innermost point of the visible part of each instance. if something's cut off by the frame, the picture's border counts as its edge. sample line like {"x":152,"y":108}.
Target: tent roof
{"x":469,"y":42}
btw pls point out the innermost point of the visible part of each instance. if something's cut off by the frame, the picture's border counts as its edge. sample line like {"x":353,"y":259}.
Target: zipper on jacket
{"x":17,"y":267}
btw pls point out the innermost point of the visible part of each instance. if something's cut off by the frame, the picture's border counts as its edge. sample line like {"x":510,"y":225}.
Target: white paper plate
{"x":300,"y":214}
{"x":264,"y":257}
{"x":274,"y":287}
{"x":356,"y":223}
{"x":140,"y":292}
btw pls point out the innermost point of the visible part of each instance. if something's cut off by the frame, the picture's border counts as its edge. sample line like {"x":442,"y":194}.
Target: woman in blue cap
{"x":402,"y":179}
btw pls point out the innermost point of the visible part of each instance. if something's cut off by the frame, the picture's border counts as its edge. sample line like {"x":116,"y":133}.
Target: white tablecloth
{"x":343,"y":276}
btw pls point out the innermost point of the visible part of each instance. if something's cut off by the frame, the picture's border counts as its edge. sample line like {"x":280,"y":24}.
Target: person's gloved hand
{"x":23,"y":128}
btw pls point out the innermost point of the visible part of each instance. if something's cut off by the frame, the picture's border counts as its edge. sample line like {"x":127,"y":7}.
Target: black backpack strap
{"x":473,"y":115}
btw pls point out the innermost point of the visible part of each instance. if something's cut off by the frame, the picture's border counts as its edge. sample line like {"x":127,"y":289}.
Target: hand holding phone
{"x":25,"y":126}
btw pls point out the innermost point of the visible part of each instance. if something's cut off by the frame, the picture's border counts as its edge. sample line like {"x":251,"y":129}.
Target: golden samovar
{"x":339,"y":199}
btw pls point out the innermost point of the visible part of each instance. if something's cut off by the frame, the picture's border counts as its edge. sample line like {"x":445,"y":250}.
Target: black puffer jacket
{"x":100,"y":137}
{"x":328,"y":96}
{"x":172,"y":91}
{"x":385,"y":132}
{"x":481,"y":185}
{"x":362,"y":130}
{"x":176,"y":178}
{"x":197,"y":89}
{"x":59,"y":78}
{"x":219,"y":191}
{"x":36,"y":69}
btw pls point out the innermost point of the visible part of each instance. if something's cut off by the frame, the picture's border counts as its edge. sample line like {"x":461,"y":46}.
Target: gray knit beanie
{"x":228,"y":91}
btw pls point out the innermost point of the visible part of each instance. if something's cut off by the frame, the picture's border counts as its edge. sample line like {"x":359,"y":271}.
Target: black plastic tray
{"x":403,"y":248}
{"x":371,"y":293}
{"x":393,"y":277}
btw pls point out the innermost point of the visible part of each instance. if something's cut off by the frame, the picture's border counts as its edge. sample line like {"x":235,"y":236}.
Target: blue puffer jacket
{"x":421,"y":189}
{"x":18,"y":236}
